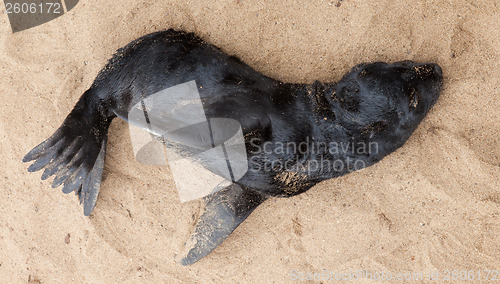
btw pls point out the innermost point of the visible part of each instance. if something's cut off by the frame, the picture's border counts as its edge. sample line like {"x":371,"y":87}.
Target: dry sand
{"x":433,"y":205}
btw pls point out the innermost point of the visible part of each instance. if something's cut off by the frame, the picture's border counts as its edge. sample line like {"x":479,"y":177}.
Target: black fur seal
{"x":374,"y":104}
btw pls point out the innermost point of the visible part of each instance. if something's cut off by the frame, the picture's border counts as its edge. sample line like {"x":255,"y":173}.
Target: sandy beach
{"x":431,"y":206}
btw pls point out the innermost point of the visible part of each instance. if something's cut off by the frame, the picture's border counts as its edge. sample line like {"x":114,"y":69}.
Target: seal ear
{"x":224,"y":211}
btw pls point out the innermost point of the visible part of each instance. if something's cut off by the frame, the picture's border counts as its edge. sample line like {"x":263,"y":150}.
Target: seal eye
{"x":413,"y":95}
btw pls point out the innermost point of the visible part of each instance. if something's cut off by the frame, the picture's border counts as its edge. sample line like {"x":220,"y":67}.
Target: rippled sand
{"x":431,"y":206}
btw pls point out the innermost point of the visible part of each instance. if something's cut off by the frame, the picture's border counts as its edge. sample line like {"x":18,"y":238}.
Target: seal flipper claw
{"x":224,"y":211}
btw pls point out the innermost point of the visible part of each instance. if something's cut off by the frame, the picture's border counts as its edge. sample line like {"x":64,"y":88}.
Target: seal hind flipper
{"x":75,"y":152}
{"x":224,"y":211}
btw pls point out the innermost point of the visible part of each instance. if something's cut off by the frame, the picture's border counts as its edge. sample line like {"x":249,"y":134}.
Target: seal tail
{"x":74,"y":154}
{"x":224,"y":211}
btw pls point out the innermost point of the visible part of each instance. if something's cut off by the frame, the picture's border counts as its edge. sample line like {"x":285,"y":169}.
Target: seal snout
{"x":437,"y":69}
{"x":422,"y":70}
{"x":428,"y":78}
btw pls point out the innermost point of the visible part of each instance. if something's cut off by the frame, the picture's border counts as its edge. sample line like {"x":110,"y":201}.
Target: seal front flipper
{"x":75,"y":152}
{"x":224,"y":211}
